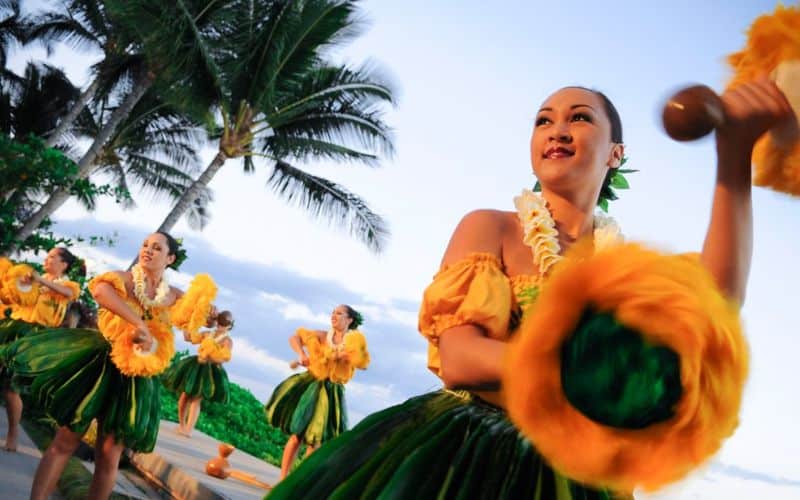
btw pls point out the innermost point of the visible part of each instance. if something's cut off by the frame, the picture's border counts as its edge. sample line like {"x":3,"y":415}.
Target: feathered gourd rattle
{"x":773,"y":48}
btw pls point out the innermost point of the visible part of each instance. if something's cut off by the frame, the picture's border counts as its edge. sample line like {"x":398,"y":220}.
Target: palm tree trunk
{"x":189,"y":196}
{"x":79,"y":106}
{"x":193,"y":192}
{"x":86,"y":165}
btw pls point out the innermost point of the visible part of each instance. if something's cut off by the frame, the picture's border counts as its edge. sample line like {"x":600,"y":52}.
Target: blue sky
{"x":472,"y":75}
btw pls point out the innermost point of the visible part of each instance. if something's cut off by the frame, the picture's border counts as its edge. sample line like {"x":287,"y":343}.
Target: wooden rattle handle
{"x":693,"y":113}
{"x":294,"y":364}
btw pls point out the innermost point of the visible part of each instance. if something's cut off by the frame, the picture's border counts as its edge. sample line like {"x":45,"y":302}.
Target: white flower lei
{"x":61,"y":279}
{"x":329,"y":339}
{"x":541,"y":234}
{"x":162,"y":290}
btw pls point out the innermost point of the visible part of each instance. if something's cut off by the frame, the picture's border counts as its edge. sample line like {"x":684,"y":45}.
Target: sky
{"x":471,"y":76}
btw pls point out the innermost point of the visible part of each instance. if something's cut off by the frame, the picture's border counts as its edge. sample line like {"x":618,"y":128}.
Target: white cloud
{"x":244,"y":350}
{"x":291,"y":309}
{"x":387,"y":312}
{"x":379,"y":396}
{"x":419,"y":358}
{"x":259,"y":388}
{"x":716,"y":482}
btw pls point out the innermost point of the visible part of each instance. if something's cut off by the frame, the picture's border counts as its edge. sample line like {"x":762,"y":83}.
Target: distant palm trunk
{"x":69,"y":119}
{"x":190,"y":195}
{"x":86,"y":165}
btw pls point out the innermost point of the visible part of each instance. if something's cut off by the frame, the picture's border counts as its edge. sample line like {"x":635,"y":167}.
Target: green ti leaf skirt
{"x":311,"y":409}
{"x":444,"y":444}
{"x":198,"y":380}
{"x":68,"y":373}
{"x":11,"y":330}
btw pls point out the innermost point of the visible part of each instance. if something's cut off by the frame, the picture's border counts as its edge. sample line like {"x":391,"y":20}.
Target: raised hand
{"x":751,"y":109}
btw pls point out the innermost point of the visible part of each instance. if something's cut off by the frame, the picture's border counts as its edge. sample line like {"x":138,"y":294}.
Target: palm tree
{"x":31,"y":105}
{"x":154,"y":149}
{"x":176,"y":40}
{"x":13,"y":27}
{"x":36,"y":101}
{"x":85,"y":26}
{"x":281,"y":100}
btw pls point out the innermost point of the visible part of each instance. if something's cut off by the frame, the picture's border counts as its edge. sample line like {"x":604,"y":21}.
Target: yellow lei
{"x":212,"y":350}
{"x":35,"y":303}
{"x":5,"y":265}
{"x":190,"y":312}
{"x":127,"y":356}
{"x":323,"y":362}
{"x":124,"y":354}
{"x":16,"y":293}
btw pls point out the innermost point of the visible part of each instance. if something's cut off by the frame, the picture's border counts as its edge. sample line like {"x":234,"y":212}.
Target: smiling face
{"x":154,"y":253}
{"x":340,"y":320}
{"x":571,"y":147}
{"x":53,"y":264}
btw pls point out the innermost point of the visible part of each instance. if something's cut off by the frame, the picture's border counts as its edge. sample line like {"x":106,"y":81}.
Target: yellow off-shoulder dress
{"x":78,"y":375}
{"x":202,"y":375}
{"x":462,"y":444}
{"x":29,"y":308}
{"x":311,"y":404}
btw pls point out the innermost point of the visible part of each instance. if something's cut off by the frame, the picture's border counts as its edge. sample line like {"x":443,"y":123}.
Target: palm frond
{"x":13,"y":27}
{"x":157,"y":177}
{"x":340,"y":106}
{"x":309,"y":148}
{"x":292,"y":39}
{"x":178,"y":39}
{"x":43,"y":97}
{"x":345,"y":127}
{"x":121,"y":180}
{"x":328,"y":200}
{"x":366,"y":85}
{"x":53,"y":27}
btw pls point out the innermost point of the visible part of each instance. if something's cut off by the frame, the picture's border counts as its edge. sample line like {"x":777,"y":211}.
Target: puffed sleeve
{"x":74,"y":288}
{"x":355,"y":344}
{"x":111,"y":278}
{"x":472,"y":291}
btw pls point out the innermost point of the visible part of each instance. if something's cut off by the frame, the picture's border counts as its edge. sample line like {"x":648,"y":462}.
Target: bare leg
{"x":106,"y":453}
{"x":311,"y":449}
{"x":53,"y":462}
{"x":14,"y":411}
{"x":194,"y":414}
{"x":289,"y":454}
{"x":182,"y":413}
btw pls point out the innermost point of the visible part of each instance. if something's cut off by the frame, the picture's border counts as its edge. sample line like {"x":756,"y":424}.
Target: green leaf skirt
{"x":198,"y":380}
{"x":444,"y":444}
{"x":11,"y":330}
{"x":309,"y":408}
{"x":68,"y":373}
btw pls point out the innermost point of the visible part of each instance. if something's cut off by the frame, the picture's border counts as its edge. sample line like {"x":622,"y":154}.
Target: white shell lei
{"x":541,"y":234}
{"x":162,"y":290}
